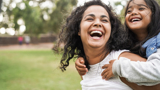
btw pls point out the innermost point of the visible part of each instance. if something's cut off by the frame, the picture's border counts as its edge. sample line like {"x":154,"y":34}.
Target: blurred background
{"x":28,"y":31}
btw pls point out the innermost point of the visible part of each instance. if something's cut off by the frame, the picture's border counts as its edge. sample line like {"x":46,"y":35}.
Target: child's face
{"x":138,"y":16}
{"x":95,"y":27}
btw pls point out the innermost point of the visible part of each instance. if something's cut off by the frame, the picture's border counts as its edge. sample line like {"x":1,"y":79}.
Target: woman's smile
{"x":96,"y":34}
{"x":95,"y":27}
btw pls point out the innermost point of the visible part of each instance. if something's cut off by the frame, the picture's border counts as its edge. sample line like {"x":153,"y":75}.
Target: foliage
{"x":59,"y":14}
{"x":33,"y":16}
{"x":35,"y":70}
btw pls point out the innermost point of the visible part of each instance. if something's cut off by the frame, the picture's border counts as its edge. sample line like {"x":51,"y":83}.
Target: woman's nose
{"x":97,"y":23}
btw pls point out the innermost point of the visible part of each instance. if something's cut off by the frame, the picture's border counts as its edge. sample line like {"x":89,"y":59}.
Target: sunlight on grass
{"x":35,"y":70}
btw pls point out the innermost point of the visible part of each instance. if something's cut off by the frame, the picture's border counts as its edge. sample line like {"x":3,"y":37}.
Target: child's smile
{"x":138,"y":16}
{"x":135,"y":19}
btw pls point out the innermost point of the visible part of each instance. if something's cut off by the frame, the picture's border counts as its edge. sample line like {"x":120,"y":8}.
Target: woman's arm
{"x":132,"y":56}
{"x":136,"y":87}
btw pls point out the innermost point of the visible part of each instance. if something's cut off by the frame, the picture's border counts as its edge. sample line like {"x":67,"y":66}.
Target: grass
{"x":35,"y":70}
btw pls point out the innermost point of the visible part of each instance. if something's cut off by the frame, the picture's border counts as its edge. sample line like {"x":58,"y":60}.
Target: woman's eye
{"x":105,"y":20}
{"x":89,"y":19}
{"x":141,"y":8}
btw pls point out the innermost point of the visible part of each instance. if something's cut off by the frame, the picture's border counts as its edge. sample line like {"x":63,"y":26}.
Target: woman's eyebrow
{"x":92,"y":15}
{"x":104,"y":16}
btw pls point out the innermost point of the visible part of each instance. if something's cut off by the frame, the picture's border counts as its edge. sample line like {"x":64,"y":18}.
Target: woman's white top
{"x":92,"y":80}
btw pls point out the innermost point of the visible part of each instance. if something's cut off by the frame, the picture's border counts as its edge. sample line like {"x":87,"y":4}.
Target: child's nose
{"x":134,"y":12}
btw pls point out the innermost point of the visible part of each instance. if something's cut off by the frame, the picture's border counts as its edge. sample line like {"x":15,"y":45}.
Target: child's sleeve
{"x":141,"y":73}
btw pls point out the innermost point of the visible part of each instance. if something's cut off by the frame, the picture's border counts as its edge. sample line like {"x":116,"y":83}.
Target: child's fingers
{"x":105,"y":66}
{"x":104,"y":76}
{"x":80,"y":65}
{"x":81,"y":60}
{"x":82,"y":73}
{"x":81,"y":69}
{"x":77,"y":63}
{"x":104,"y":73}
{"x":108,"y":76}
{"x":111,"y":61}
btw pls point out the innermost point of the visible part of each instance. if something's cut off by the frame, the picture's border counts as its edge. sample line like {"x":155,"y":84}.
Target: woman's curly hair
{"x":72,"y":41}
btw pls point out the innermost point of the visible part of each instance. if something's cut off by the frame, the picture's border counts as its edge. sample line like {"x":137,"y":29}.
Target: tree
{"x":121,"y":15}
{"x":63,"y":7}
{"x":33,"y":16}
{"x":0,"y":5}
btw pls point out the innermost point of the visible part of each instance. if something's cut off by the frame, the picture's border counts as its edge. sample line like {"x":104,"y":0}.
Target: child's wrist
{"x":114,"y":66}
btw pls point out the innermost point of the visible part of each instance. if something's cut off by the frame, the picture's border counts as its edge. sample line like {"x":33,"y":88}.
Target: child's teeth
{"x":135,"y":19}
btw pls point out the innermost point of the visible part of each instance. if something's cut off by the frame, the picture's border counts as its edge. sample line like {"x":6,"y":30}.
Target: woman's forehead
{"x":96,"y":9}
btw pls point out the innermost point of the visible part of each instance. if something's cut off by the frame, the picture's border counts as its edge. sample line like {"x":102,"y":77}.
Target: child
{"x":94,"y":32}
{"x":143,"y":25}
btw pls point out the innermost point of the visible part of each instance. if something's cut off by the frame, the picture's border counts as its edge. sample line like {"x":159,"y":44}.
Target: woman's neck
{"x":94,"y":55}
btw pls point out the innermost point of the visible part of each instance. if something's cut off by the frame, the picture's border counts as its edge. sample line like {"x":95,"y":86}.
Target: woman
{"x":93,"y":32}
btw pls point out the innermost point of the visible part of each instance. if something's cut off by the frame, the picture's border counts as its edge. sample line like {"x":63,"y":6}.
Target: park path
{"x":41,"y":46}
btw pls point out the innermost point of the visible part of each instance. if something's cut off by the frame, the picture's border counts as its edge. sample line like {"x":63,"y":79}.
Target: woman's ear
{"x":79,"y":34}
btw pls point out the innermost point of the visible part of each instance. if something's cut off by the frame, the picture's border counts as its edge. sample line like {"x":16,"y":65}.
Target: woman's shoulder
{"x":116,"y":54}
{"x":132,"y":56}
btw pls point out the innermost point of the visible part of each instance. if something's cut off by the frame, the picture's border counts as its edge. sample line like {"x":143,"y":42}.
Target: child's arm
{"x":141,"y":73}
{"x":81,"y":68}
{"x":107,"y":73}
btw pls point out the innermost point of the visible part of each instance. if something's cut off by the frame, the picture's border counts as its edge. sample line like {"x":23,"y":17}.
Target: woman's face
{"x":138,"y":16}
{"x":95,"y":27}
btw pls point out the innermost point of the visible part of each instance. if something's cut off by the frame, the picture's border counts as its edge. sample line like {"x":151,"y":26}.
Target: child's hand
{"x":81,"y":68}
{"x":107,"y":73}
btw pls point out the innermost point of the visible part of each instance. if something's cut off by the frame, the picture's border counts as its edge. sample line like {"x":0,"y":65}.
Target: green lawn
{"x":35,"y":70}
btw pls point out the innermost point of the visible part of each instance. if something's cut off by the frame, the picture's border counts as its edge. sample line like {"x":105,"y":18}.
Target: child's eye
{"x":129,"y":11}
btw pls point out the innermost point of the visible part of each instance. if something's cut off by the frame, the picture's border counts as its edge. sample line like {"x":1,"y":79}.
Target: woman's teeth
{"x":96,"y":33}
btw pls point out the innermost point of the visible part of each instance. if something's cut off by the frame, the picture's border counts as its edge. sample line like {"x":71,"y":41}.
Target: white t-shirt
{"x":92,"y":80}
